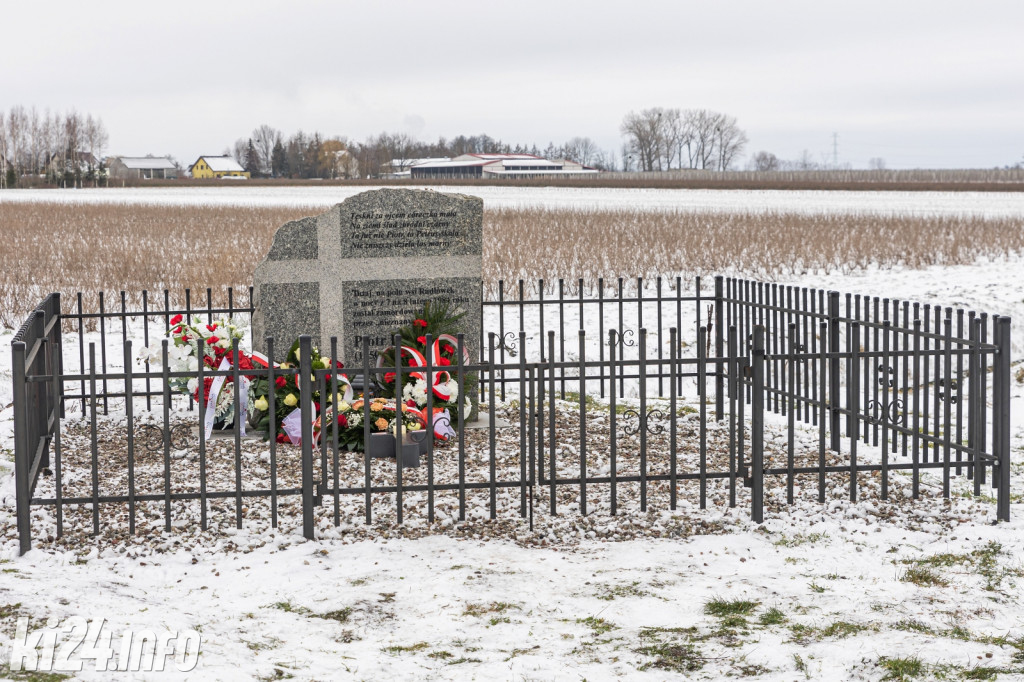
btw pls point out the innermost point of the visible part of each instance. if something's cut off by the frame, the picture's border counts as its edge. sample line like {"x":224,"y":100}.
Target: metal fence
{"x":598,"y":375}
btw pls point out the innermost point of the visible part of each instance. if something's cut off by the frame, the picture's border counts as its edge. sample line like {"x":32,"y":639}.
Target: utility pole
{"x":835,"y":150}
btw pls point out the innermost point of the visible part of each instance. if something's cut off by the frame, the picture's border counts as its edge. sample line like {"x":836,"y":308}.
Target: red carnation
{"x":280,"y":382}
{"x":444,"y":362}
{"x":212,"y":340}
{"x":422,"y":339}
{"x":420,"y":323}
{"x":342,"y":421}
{"x":176,"y":320}
{"x":339,"y":364}
{"x":389,"y":378}
{"x":212,"y":327}
{"x":410,"y":403}
{"x":448,"y":349}
{"x":281,"y":438}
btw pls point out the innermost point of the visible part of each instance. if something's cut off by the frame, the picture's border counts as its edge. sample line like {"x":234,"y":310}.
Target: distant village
{"x":464,"y":166}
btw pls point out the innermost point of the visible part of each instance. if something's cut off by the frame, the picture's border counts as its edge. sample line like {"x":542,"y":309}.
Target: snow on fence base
{"x":617,"y":419}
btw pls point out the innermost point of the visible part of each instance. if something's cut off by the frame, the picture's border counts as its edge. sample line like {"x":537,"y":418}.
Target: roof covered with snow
{"x":222,"y":164}
{"x":146,"y":162}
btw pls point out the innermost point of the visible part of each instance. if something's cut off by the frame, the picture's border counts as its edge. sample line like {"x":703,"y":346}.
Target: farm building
{"x":80,"y":161}
{"x":142,"y":168}
{"x":218,"y":167}
{"x":498,"y":166}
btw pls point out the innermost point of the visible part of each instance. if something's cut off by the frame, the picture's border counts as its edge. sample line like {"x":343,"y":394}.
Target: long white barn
{"x":498,"y":165}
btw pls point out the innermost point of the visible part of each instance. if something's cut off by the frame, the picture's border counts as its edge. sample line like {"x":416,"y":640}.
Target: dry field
{"x":113,"y":247}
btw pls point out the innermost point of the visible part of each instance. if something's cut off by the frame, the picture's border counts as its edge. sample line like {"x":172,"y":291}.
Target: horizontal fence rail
{"x":598,"y":419}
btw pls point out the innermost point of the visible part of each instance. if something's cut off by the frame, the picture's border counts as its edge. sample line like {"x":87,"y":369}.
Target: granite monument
{"x":366,"y":267}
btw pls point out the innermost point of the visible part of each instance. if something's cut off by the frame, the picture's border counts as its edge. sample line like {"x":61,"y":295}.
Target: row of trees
{"x":66,"y":148}
{"x":658,"y":139}
{"x":267,"y":153}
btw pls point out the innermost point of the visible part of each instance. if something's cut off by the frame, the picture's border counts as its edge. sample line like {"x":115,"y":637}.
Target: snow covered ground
{"x":842,"y":591}
{"x":988,"y":204}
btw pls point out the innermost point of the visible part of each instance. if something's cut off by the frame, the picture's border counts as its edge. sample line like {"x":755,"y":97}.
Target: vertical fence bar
{"x":492,"y":450}
{"x":461,"y":410}
{"x":583,"y":421}
{"x":854,"y":407}
{"x":643,"y":417}
{"x":959,"y":390}
{"x":306,"y":412}
{"x":702,"y":381}
{"x":552,"y":424}
{"x":335,"y":413}
{"x":916,"y":419}
{"x":236,"y":427}
{"x":733,"y":372}
{"x":947,"y":398}
{"x":58,"y":481}
{"x":1001,"y":413}
{"x":833,"y":369}
{"x":926,"y":384}
{"x":757,"y":428}
{"x":501,"y":335}
{"x":600,"y":327}
{"x":272,"y":429}
{"x":129,"y":415}
{"x":822,"y":383}
{"x":166,"y":436}
{"x":612,"y":417}
{"x":673,"y":370}
{"x":561,"y":332}
{"x":983,"y":392}
{"x":661,"y":357}
{"x":103,"y":352}
{"x":791,"y":424}
{"x":883,"y":406}
{"x":719,"y":348}
{"x":23,"y":446}
{"x":525,"y":421}
{"x":396,"y":341}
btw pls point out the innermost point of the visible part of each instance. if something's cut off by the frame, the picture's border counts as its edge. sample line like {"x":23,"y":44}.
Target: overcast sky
{"x":920,"y":84}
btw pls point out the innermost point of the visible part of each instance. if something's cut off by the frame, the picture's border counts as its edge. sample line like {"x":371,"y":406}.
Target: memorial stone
{"x":367,"y":267}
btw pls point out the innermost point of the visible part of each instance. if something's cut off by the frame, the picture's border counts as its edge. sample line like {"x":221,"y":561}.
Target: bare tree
{"x":239,"y":151}
{"x":582,"y":150}
{"x":876,"y":163}
{"x":96,"y":139}
{"x":731,"y":141}
{"x":644,"y":137}
{"x":764,"y":161}
{"x":263,"y":139}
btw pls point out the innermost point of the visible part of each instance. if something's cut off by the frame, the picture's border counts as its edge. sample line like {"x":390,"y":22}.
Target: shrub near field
{"x":120,"y":247}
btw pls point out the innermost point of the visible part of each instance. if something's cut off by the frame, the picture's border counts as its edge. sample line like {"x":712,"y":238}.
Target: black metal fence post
{"x":833,"y":369}
{"x":1001,"y":413}
{"x":22,"y":451}
{"x":306,"y":412}
{"x":757,"y":428}
{"x":719,"y":348}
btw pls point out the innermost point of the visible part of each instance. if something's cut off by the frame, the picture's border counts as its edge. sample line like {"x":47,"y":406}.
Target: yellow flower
{"x":415,"y":426}
{"x":291,"y":400}
{"x":343,"y":406}
{"x":381,"y":424}
{"x":261,"y":404}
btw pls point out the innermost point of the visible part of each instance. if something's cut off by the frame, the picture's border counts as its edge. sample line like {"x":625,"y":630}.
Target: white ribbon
{"x":211,"y":405}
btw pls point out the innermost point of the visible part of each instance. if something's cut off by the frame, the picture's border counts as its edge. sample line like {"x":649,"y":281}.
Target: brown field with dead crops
{"x":113,"y":247}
